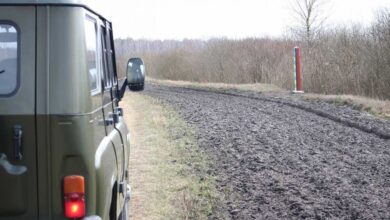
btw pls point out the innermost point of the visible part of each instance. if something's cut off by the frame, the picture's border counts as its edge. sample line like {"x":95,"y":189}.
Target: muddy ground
{"x":277,"y":156}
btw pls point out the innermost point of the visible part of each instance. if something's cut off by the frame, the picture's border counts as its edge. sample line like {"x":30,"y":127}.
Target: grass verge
{"x":378,"y":108}
{"x":168,"y":172}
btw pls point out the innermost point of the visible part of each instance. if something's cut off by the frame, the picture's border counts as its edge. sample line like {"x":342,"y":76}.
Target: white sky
{"x":178,"y":19}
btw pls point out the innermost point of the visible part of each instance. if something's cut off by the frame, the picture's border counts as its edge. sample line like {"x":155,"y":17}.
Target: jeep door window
{"x":8,"y":59}
{"x":91,"y":43}
{"x":107,"y":78}
{"x":110,"y":56}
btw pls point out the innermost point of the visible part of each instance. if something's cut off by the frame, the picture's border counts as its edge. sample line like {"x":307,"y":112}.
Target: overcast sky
{"x":178,"y":19}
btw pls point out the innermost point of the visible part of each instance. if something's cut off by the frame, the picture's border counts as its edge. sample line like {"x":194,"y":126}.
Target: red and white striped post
{"x":297,"y":71}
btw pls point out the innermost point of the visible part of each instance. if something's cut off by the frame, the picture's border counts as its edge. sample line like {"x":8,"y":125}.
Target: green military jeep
{"x":64,"y":145}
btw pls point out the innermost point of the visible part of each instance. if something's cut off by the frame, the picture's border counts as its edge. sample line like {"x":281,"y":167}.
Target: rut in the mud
{"x":274,"y":160}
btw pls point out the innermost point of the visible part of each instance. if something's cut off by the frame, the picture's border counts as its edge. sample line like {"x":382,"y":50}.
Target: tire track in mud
{"x":380,"y":132}
{"x":275,"y":161}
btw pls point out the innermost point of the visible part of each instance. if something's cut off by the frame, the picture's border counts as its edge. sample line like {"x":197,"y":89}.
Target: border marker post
{"x":297,"y":71}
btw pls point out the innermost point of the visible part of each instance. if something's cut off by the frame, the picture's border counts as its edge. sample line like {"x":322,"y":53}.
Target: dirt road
{"x":278,"y":156}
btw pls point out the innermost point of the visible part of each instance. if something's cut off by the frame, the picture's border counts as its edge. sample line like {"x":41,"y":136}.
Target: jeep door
{"x":18,"y":157}
{"x":111,"y":116}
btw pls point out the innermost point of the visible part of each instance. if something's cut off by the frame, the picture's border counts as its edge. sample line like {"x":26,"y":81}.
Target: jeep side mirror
{"x":135,"y":74}
{"x":135,"y":77}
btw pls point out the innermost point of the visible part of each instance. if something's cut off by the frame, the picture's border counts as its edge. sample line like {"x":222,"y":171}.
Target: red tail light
{"x":74,"y":197}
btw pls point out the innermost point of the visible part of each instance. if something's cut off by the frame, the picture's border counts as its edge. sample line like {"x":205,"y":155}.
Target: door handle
{"x":119,"y":111}
{"x":106,"y":122}
{"x":115,"y":117}
{"x":17,"y":136}
{"x":9,"y":168}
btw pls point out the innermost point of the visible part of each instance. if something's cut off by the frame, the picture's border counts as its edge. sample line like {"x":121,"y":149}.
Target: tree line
{"x":351,"y":59}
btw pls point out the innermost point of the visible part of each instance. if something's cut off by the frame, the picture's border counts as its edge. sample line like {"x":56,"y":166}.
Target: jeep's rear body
{"x":59,"y":114}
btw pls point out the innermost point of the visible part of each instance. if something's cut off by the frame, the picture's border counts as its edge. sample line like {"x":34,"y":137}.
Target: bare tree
{"x":310,"y":17}
{"x":351,"y":59}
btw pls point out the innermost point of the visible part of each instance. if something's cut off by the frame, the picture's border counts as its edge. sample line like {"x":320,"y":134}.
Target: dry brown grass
{"x":163,"y":153}
{"x":348,"y":59}
{"x":377,"y":107}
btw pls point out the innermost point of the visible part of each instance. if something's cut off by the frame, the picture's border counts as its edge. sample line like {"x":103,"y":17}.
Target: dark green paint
{"x":64,"y":129}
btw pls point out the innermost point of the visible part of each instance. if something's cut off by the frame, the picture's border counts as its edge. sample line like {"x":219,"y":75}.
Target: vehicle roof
{"x":88,"y":4}
{"x":61,"y":2}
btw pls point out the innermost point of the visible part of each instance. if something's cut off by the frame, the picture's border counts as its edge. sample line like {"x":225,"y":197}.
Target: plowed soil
{"x":276,"y":156}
